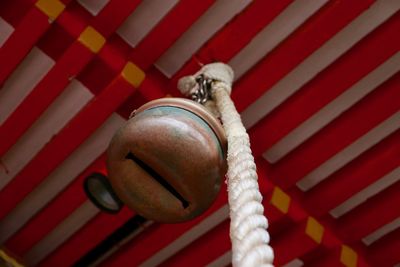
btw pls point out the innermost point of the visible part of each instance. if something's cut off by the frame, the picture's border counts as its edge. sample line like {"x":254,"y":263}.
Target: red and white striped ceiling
{"x":317,"y":85}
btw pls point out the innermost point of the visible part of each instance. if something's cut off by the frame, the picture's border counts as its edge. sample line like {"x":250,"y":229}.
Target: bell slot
{"x":159,"y":179}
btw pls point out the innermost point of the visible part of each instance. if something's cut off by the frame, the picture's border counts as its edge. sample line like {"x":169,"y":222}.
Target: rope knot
{"x":218,"y":73}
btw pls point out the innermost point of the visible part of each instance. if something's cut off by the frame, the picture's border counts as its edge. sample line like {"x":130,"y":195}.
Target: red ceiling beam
{"x":216,"y":242}
{"x":149,"y":242}
{"x":288,"y":245}
{"x":336,"y":79}
{"x":81,"y":242}
{"x":54,"y":213}
{"x":33,"y":25}
{"x":142,"y":249}
{"x":112,"y":57}
{"x":87,"y":238}
{"x":168,"y":30}
{"x":233,"y":37}
{"x":73,"y":134}
{"x":341,"y":255}
{"x":14,"y":11}
{"x":303,"y":42}
{"x":292,"y":244}
{"x":107,"y":21}
{"x":280,"y":207}
{"x":328,"y":258}
{"x":363,"y":171}
{"x":368,"y":113}
{"x":385,"y":252}
{"x":113,"y":15}
{"x":69,"y":65}
{"x":306,"y":236}
{"x":240,"y":31}
{"x":369,"y":216}
{"x":204,"y":250}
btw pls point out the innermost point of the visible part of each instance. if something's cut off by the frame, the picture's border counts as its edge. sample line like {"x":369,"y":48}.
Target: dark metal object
{"x":99,"y":191}
{"x":133,"y":226}
{"x":168,"y":161}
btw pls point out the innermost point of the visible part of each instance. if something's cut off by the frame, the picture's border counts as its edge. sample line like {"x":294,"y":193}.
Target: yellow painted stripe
{"x":133,"y":74}
{"x":92,"y":39}
{"x":314,"y":230}
{"x":52,"y":8}
{"x":280,"y":200}
{"x":348,"y":256}
{"x":8,"y":259}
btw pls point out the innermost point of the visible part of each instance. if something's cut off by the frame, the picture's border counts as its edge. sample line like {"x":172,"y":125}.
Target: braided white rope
{"x":248,"y":224}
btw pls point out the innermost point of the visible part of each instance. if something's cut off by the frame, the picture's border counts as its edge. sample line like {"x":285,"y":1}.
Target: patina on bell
{"x":168,"y":161}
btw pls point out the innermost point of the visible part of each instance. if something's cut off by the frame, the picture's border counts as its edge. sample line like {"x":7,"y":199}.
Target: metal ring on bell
{"x":167,"y":163}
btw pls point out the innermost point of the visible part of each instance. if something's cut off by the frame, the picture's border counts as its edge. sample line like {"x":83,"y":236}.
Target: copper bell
{"x":168,"y":161}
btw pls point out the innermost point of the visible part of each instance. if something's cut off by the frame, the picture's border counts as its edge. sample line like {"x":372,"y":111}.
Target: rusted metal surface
{"x":168,"y":161}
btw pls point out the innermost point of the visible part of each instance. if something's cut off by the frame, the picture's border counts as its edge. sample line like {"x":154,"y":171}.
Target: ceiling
{"x":317,"y":85}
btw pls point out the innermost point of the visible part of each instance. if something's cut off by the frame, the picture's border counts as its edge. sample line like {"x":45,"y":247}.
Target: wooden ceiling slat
{"x":381,"y":232}
{"x":214,"y":19}
{"x":149,"y":242}
{"x":216,"y":242}
{"x":61,"y":233}
{"x":352,"y":151}
{"x":74,"y":134}
{"x":204,"y":250}
{"x":292,"y":17}
{"x":222,"y":261}
{"x":335,"y":137}
{"x":69,"y":65}
{"x":333,"y":109}
{"x":26,"y":149}
{"x":369,"y":216}
{"x":111,"y":17}
{"x":145,"y":251}
{"x":45,"y":92}
{"x":359,"y":142}
{"x":60,"y":178}
{"x":188,"y":237}
{"x":336,"y":79}
{"x":54,"y":212}
{"x":363,"y":171}
{"x":385,"y":251}
{"x":197,"y":248}
{"x":88,"y":237}
{"x":176,"y":22}
{"x":234,"y":36}
{"x":293,"y":243}
{"x":240,"y":31}
{"x":56,"y":116}
{"x":321,"y":58}
{"x":147,"y":15}
{"x":5,"y":31}
{"x":23,"y":80}
{"x":94,"y":7}
{"x":297,"y":47}
{"x":22,"y":40}
{"x":371,"y":190}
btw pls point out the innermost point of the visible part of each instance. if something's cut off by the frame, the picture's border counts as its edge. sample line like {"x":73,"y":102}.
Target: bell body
{"x":168,"y":161}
